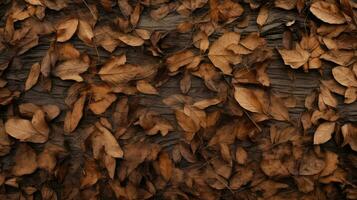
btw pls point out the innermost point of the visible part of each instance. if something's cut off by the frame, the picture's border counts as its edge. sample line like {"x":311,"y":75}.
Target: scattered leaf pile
{"x":75,"y":76}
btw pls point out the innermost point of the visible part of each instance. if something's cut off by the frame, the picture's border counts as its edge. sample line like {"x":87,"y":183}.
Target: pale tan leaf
{"x":247,"y":99}
{"x":294,"y":58}
{"x":324,"y":132}
{"x":33,"y":76}
{"x":131,"y":40}
{"x":178,"y":60}
{"x":73,"y":117}
{"x":111,"y":145}
{"x":85,"y":31}
{"x":220,"y":56}
{"x":344,"y":76}
{"x":66,"y":29}
{"x":145,"y":87}
{"x":21,"y":129}
{"x":263,"y":15}
{"x":327,"y":12}
{"x":70,"y":69}
{"x":206,"y":103}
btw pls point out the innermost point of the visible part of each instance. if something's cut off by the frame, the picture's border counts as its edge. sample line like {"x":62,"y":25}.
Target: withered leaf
{"x":33,"y":76}
{"x":25,"y":160}
{"x":91,"y":174}
{"x":145,"y":87}
{"x":248,"y":99}
{"x":331,"y":160}
{"x":175,"y":62}
{"x":70,"y":69}
{"x":186,"y":123}
{"x":349,"y":134}
{"x":242,"y":177}
{"x":21,"y":129}
{"x":166,"y":166}
{"x":311,"y":165}
{"x":104,"y":138}
{"x":75,"y":115}
{"x":344,"y":76}
{"x":324,"y":132}
{"x":294,"y":58}
{"x":85,"y":31}
{"x":220,"y":56}
{"x":328,"y":12}
{"x":66,"y":29}
{"x":262,"y":15}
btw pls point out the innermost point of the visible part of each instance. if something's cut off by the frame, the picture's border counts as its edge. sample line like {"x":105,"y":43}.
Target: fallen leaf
{"x":327,"y":12}
{"x":21,"y":129}
{"x":324,"y":132}
{"x":344,"y":76}
{"x":175,"y":62}
{"x":70,"y":69}
{"x":241,"y":178}
{"x":85,"y":31}
{"x":25,"y":160}
{"x":66,"y":29}
{"x":294,"y":58}
{"x":331,"y":160}
{"x":263,"y":15}
{"x":33,"y":76}
{"x":166,"y":166}
{"x":248,"y":99}
{"x":75,"y":115}
{"x":145,"y":87}
{"x":104,"y":138}
{"x":220,"y":56}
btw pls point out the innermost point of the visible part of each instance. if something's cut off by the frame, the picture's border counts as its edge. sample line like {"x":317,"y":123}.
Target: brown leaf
{"x":285,"y":4}
{"x":274,"y":167}
{"x":349,"y":134}
{"x":186,"y":123}
{"x":130,"y":40}
{"x":241,"y":156}
{"x":70,"y":69}
{"x":115,"y":71}
{"x":220,"y":56}
{"x":294,"y":58}
{"x":175,"y":62}
{"x":324,"y":132}
{"x":104,"y":138}
{"x":203,"y":104}
{"x":39,"y":123}
{"x":48,"y":61}
{"x":248,"y":99}
{"x":110,"y":164}
{"x":21,"y":129}
{"x":166,"y":166}
{"x":242,"y":177}
{"x":311,"y":165}
{"x":252,"y":41}
{"x":327,"y":12}
{"x":277,"y":109}
{"x":263,"y":15}
{"x":331,"y":160}
{"x":33,"y":76}
{"x":25,"y":160}
{"x":66,"y":29}
{"x":5,"y":143}
{"x":145,"y":87}
{"x":200,"y":40}
{"x":91,"y":174}
{"x":339,"y":57}
{"x":85,"y":31}
{"x":185,"y":82}
{"x":344,"y":76}
{"x":350,"y":95}
{"x":73,"y":117}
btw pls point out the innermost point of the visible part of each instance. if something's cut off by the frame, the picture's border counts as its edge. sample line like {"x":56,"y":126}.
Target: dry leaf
{"x":105,"y":138}
{"x":166,"y":166}
{"x":344,"y":76}
{"x":33,"y":76}
{"x":294,"y":58}
{"x":175,"y":62}
{"x":25,"y":160}
{"x":73,"y":117}
{"x":70,"y":69}
{"x":248,"y":99}
{"x":145,"y":87}
{"x":220,"y":56}
{"x":85,"y":31}
{"x":66,"y":29}
{"x":263,"y":15}
{"x":324,"y":132}
{"x":21,"y":129}
{"x":327,"y":12}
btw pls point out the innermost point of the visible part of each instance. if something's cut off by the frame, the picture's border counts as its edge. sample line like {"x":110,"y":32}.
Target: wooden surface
{"x":301,"y":85}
